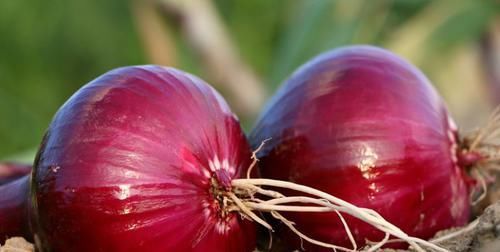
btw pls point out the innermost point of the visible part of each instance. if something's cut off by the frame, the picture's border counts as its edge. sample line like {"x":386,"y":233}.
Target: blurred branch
{"x":209,"y":38}
{"x":459,"y":73}
{"x":372,"y":21}
{"x":155,"y":35}
{"x":409,"y":39}
{"x":490,"y":54}
{"x":299,"y":33}
{"x":463,"y":85}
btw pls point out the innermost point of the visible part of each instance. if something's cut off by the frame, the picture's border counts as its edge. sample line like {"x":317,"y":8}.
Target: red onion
{"x":364,"y":125}
{"x":14,"y":191}
{"x":134,"y":161}
{"x":11,"y":171}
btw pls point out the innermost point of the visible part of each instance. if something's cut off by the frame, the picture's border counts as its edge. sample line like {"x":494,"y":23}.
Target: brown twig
{"x":209,"y":38}
{"x":154,"y":33}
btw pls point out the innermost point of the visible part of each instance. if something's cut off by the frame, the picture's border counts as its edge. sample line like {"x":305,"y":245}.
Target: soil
{"x":17,"y":244}
{"x":485,"y":237}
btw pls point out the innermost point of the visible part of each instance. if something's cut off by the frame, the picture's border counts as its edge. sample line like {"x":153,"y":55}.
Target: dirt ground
{"x":484,"y":237}
{"x":17,"y":244}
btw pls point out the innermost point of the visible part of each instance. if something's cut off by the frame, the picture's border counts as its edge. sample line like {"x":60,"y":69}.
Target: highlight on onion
{"x":134,"y":161}
{"x":14,"y":205}
{"x":364,"y":125}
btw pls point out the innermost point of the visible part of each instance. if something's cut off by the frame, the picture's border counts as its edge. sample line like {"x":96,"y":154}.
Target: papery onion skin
{"x":127,"y":162}
{"x":366,"y":126}
{"x":14,"y":201}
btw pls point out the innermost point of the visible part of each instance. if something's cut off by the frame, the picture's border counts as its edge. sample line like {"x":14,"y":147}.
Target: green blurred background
{"x":245,"y":49}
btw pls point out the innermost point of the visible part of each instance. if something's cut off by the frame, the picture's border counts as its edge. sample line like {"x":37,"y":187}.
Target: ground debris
{"x":17,"y":244}
{"x":484,"y":237}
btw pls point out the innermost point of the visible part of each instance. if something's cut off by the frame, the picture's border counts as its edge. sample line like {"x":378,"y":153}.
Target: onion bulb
{"x":134,"y":161}
{"x":364,"y":125}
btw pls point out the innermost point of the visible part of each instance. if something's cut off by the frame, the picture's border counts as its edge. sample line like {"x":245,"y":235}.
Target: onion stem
{"x":484,"y":142}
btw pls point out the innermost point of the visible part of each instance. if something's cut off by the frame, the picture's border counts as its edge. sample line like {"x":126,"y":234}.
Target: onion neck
{"x":12,"y":171}
{"x":468,"y":159}
{"x":219,"y":188}
{"x":14,"y":209}
{"x":479,"y":155}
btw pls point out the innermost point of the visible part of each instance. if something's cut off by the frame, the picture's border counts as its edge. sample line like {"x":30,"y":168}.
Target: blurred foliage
{"x":48,"y":50}
{"x":51,"y":48}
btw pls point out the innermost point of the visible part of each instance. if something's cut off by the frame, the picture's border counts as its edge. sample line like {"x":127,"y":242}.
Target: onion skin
{"x":126,"y":166}
{"x":14,"y":204}
{"x":366,"y":126}
{"x":10,"y":171}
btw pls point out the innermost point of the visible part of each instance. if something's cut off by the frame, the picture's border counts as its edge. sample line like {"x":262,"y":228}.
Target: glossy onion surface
{"x":14,"y":195}
{"x":364,"y":125}
{"x":10,"y":171}
{"x":128,"y":164}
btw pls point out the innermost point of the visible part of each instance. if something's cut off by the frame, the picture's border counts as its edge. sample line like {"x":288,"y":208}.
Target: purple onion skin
{"x":10,"y":171}
{"x":126,"y":166}
{"x":366,"y":126}
{"x":14,"y":201}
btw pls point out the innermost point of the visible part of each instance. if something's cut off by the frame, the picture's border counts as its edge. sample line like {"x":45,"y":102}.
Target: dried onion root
{"x":244,"y":198}
{"x":480,"y":152}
